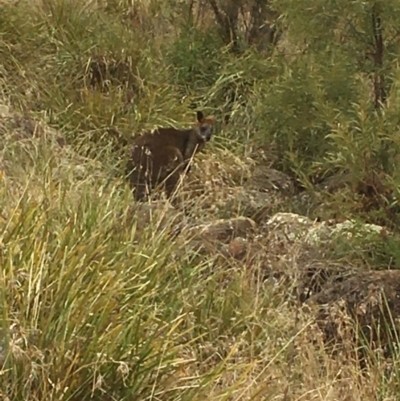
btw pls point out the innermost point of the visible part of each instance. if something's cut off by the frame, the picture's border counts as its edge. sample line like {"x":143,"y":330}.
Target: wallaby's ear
{"x":200,"y":117}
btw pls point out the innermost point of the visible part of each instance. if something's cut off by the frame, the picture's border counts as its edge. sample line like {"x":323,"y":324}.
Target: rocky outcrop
{"x":294,"y":248}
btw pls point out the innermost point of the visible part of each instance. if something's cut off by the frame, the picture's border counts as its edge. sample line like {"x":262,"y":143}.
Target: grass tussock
{"x":97,"y":305}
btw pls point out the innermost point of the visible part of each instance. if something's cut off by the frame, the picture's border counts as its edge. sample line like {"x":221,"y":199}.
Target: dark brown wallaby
{"x":163,"y":155}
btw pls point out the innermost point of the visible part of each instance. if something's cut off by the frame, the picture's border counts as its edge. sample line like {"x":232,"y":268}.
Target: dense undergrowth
{"x":89,"y":312}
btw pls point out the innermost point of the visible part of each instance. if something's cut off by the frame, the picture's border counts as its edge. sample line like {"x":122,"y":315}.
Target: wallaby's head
{"x":205,"y":125}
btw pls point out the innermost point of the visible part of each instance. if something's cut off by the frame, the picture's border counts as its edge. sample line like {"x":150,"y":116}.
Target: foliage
{"x":89,"y":311}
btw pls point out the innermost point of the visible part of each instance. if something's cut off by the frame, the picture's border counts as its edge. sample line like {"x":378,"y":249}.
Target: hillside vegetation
{"x":96,"y":304}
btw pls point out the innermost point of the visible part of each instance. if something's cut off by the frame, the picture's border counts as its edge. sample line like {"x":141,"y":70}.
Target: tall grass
{"x":94,"y":303}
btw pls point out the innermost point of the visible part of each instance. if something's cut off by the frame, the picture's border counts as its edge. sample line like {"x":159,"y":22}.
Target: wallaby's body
{"x":161,"y":156}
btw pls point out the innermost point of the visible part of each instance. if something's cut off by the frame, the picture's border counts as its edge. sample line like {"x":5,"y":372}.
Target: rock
{"x":210,"y":238}
{"x":372,"y":299}
{"x":291,"y":227}
{"x":256,"y":205}
{"x":225,"y":230}
{"x":298,"y":250}
{"x":295,"y":228}
{"x":238,"y":247}
{"x":314,"y":272}
{"x":288,"y":247}
{"x":267,"y":179}
{"x":352,"y":229}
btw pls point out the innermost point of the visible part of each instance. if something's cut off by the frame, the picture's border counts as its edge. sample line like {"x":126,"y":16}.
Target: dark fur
{"x":162,"y":156}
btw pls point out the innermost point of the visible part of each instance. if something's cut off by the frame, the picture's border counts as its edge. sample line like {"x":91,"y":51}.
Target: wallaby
{"x":163,"y":155}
